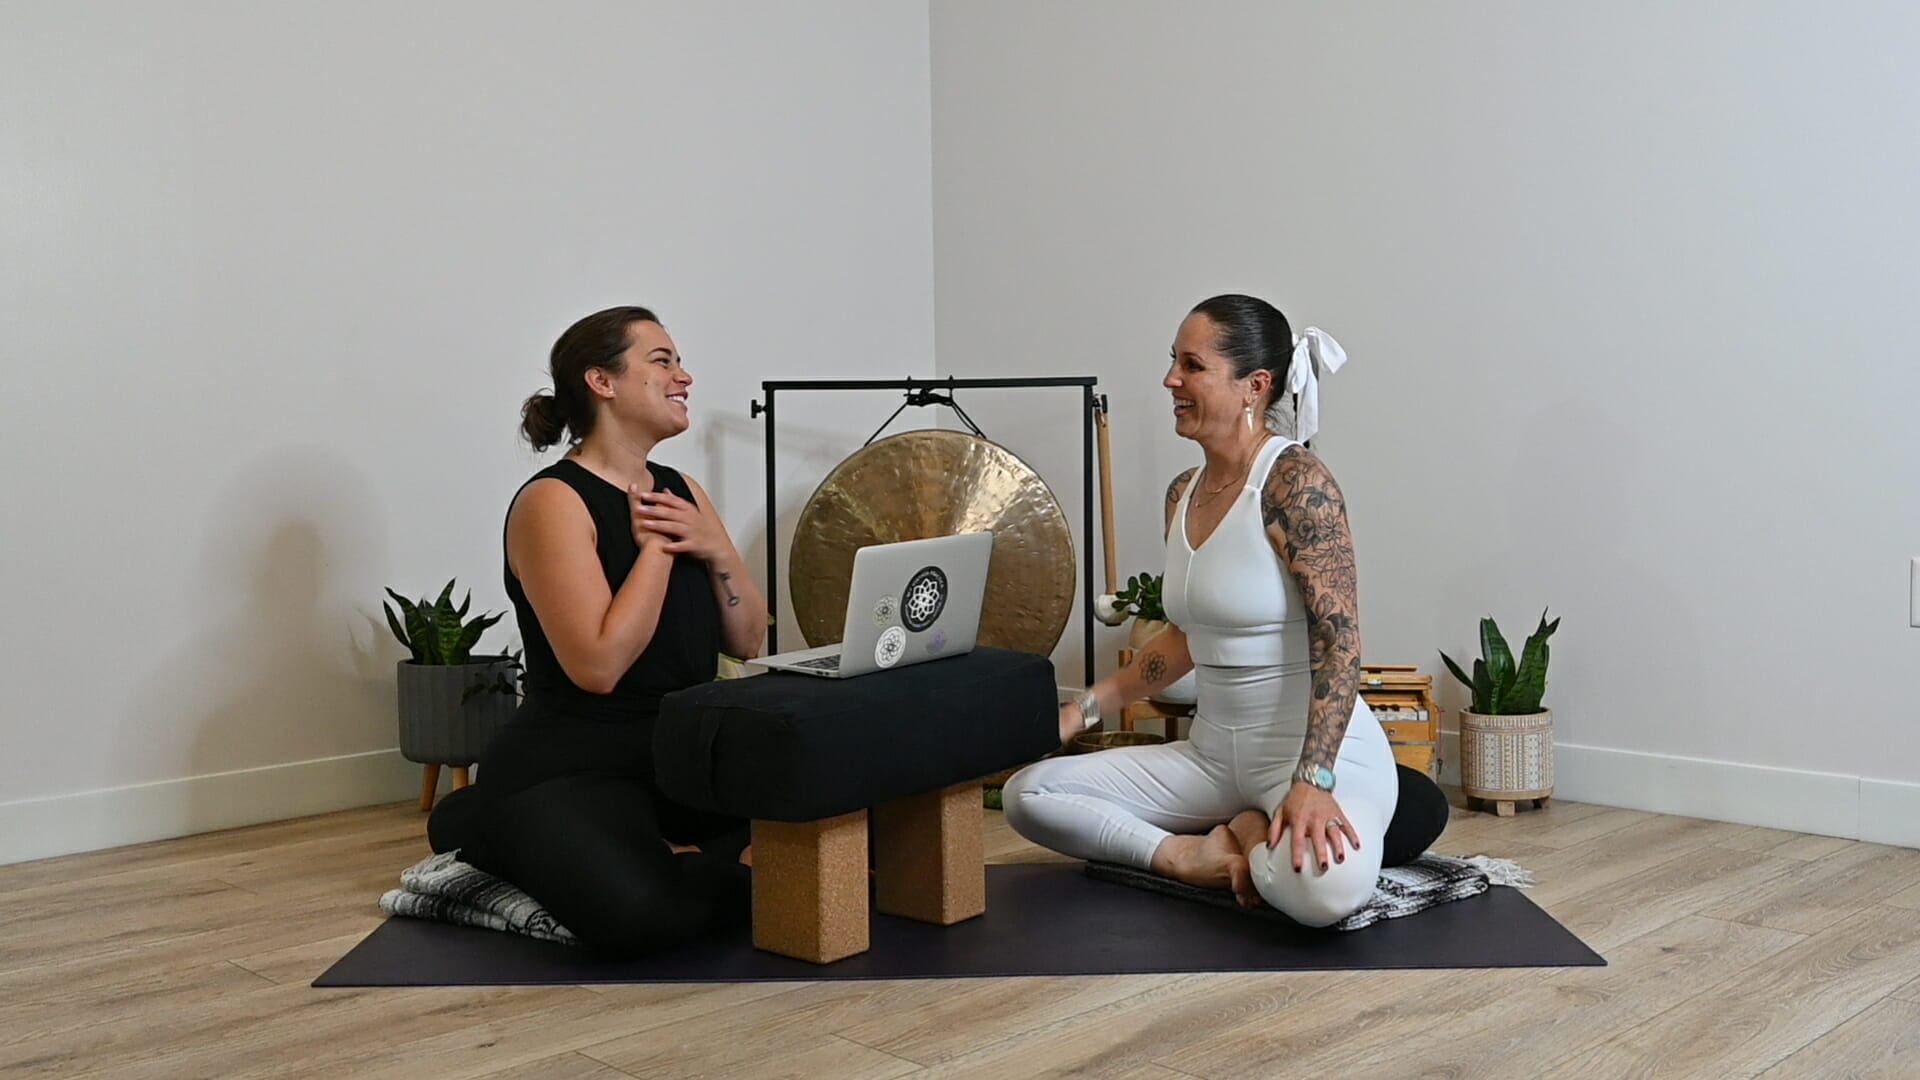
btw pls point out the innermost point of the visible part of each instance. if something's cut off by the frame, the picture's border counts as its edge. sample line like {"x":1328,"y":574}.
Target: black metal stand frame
{"x":1089,"y":402}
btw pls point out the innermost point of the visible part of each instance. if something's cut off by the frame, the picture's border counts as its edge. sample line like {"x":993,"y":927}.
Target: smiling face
{"x":649,"y":394}
{"x":1209,"y":403}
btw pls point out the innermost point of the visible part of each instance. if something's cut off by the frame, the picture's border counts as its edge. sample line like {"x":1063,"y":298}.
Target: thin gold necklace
{"x":1240,"y":478}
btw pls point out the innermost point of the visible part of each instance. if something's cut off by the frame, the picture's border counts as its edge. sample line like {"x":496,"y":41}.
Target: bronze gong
{"x":919,"y":484}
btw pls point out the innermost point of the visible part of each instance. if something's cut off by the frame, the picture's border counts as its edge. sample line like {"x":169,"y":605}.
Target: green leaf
{"x":1485,"y":700}
{"x":1531,"y":681}
{"x":393,"y":623}
{"x":448,"y":626}
{"x":1466,"y":680}
{"x":419,"y":631}
{"x":464,"y":604}
{"x":1498,"y":656}
{"x":470,"y":636}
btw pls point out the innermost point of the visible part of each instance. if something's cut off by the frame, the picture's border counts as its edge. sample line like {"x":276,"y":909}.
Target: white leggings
{"x":1120,"y":805}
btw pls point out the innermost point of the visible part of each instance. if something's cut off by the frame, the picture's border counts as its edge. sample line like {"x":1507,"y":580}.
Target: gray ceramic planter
{"x":435,"y":727}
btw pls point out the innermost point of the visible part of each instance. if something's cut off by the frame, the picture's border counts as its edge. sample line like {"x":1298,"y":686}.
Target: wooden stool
{"x":810,"y":879}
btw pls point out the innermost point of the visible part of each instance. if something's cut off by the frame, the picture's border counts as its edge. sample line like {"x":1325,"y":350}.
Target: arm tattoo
{"x":1306,"y":508}
{"x":1179,"y":485}
{"x":1175,"y":490}
{"x":726,"y":582}
{"x":1153,"y":668}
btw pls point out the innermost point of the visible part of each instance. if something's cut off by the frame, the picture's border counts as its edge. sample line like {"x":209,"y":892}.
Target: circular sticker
{"x":937,"y":642}
{"x":924,"y":598}
{"x":891,"y":647}
{"x":886,"y":611}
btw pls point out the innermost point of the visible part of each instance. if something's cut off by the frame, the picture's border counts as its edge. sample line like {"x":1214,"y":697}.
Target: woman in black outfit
{"x":627,"y":588}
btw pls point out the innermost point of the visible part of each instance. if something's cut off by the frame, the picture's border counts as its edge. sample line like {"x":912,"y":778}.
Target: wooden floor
{"x":1734,"y":952}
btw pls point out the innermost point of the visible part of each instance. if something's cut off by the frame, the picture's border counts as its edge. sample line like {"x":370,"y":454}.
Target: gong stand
{"x":923,"y":392}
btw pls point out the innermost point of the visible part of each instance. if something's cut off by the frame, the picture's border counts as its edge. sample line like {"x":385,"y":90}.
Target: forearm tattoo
{"x":1303,"y":503}
{"x":726,"y":584}
{"x":1153,"y":668}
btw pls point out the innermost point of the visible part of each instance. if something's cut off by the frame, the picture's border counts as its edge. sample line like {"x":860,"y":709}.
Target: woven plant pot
{"x":1506,"y":759}
{"x":436,"y":727}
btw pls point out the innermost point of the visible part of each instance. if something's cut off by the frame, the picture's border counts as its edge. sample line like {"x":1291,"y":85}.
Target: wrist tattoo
{"x":726,"y":583}
{"x":1153,"y":668}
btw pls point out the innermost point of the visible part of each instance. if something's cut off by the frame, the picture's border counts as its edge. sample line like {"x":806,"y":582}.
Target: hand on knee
{"x":1312,"y":896}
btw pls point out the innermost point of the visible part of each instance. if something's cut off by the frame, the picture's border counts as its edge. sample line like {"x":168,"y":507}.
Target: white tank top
{"x":1237,"y":602}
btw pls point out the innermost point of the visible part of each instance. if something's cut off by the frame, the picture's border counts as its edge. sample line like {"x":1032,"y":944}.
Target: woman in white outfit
{"x":1287,"y":784}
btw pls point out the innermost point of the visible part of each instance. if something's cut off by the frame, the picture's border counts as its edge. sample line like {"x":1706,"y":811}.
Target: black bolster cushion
{"x":783,"y":747}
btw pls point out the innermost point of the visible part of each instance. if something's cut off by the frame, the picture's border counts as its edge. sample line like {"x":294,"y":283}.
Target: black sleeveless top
{"x":685,"y":649}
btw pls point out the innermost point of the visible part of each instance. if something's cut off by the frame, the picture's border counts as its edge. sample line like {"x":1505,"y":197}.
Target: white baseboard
{"x":1890,"y":812}
{"x":1880,"y":811}
{"x":113,"y":817}
{"x":1829,"y":804}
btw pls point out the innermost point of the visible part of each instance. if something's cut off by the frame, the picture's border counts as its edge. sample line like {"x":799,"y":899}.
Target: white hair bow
{"x":1313,"y":349}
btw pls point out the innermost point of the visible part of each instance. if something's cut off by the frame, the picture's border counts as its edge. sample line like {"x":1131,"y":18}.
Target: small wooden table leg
{"x":929,"y":859}
{"x":429,"y":784}
{"x":810,"y":887}
{"x":1504,"y":808}
{"x":460,"y":777}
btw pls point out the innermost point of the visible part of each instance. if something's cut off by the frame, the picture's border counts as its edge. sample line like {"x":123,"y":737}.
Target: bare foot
{"x":746,"y":855}
{"x":1249,"y":829}
{"x":1213,"y":861}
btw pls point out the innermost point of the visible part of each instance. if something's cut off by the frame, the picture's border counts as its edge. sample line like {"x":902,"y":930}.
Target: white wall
{"x":275,"y":281}
{"x":1627,"y":294}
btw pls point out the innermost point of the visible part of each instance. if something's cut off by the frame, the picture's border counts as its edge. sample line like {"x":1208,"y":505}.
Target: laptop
{"x":908,"y":603}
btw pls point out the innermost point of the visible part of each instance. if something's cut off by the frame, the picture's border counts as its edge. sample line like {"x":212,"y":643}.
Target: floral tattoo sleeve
{"x":1306,"y":516}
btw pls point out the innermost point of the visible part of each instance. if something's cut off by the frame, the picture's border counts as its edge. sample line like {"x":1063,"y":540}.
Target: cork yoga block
{"x":929,"y":859}
{"x":810,"y":887}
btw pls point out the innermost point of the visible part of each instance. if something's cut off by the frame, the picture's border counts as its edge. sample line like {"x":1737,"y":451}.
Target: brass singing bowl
{"x":919,"y":484}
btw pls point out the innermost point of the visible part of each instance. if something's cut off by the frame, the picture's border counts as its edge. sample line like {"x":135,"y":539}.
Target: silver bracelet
{"x":1089,"y":703}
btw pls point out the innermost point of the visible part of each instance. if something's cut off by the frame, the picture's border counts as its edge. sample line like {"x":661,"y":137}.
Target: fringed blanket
{"x":441,"y":888}
{"x":1403,"y":890}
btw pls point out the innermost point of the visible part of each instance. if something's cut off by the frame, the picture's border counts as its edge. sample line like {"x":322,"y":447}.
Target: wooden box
{"x":1402,"y":699}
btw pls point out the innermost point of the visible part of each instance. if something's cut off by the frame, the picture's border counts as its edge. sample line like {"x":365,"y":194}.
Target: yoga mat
{"x":1042,"y":919}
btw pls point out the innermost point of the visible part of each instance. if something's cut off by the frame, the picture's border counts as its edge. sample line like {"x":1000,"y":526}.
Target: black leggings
{"x":570,"y":813}
{"x":1418,"y":818}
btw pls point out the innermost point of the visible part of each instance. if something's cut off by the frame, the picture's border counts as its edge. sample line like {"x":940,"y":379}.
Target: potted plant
{"x":1506,"y":737}
{"x":1140,"y":598}
{"x":451,"y":701}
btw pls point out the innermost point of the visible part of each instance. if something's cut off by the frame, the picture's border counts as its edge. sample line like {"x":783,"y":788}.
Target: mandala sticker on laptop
{"x":886,"y":611}
{"x":924,"y":598}
{"x":891,"y":647}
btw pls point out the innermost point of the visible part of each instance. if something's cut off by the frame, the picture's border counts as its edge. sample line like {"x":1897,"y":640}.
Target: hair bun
{"x":542,"y":420}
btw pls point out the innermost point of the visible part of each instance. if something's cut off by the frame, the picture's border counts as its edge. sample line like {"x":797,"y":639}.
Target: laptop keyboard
{"x":822,"y":663}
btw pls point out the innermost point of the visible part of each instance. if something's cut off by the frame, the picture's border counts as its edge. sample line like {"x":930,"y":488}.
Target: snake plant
{"x":1500,"y":686}
{"x":437,"y":633}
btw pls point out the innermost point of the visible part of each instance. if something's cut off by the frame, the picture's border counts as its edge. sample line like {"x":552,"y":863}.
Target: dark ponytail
{"x":1252,"y":335}
{"x":597,"y":341}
